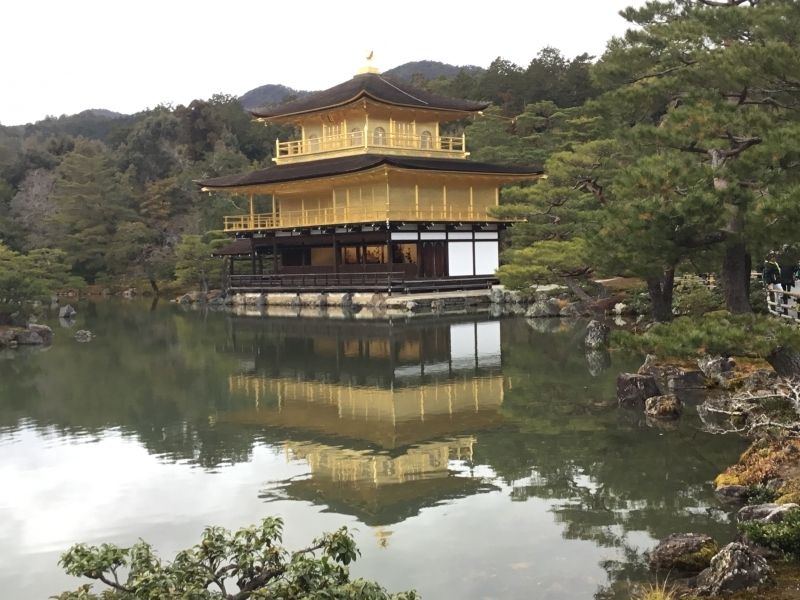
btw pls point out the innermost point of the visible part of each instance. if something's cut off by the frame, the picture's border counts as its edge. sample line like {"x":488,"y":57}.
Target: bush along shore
{"x":743,"y":374}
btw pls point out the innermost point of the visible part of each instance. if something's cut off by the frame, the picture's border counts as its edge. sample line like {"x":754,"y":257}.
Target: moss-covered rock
{"x":683,"y":552}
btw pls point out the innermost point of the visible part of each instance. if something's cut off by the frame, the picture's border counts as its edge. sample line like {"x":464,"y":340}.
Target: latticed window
{"x":355,"y":137}
{"x":313,"y":143}
{"x":379,"y":136}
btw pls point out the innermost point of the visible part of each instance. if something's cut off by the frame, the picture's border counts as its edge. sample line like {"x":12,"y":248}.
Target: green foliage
{"x":783,"y":536}
{"x":713,"y":333}
{"x":759,"y":494}
{"x":251,"y":560}
{"x":194,"y":264}
{"x":695,"y":298}
{"x":33,"y":276}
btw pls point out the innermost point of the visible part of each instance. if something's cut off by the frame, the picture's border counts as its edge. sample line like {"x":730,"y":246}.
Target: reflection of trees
{"x":607,"y":473}
{"x":154,"y":375}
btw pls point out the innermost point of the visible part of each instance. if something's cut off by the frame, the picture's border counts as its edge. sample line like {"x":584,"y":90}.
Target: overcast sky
{"x":64,"y":56}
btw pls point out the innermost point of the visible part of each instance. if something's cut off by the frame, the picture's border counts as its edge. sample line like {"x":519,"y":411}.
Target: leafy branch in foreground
{"x":248,"y":563}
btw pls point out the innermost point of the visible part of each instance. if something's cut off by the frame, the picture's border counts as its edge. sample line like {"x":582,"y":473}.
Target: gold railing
{"x":434,"y":144}
{"x":345,"y":215}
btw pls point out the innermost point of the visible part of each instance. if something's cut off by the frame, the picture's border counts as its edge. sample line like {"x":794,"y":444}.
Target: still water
{"x":472,"y":457}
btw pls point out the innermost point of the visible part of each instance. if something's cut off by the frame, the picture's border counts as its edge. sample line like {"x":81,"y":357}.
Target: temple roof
{"x":360,"y":162}
{"x":373,"y":86}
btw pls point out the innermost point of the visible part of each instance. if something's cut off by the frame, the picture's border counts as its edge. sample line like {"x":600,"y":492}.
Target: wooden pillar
{"x":253,"y":255}
{"x":444,"y":200}
{"x":336,"y":257}
{"x":471,"y":203}
{"x":275,"y":255}
{"x":389,"y":248}
{"x":252,"y":213}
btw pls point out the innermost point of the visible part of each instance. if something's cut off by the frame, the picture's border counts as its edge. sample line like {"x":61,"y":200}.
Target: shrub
{"x":717,"y":332}
{"x":783,"y":536}
{"x":250,"y":559}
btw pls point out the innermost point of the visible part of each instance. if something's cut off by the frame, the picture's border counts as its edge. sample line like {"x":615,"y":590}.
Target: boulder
{"x":597,"y":335}
{"x":765,"y":513}
{"x":83,"y":336}
{"x":217,"y":301}
{"x":66,"y":312}
{"x":512,"y":297}
{"x":410,"y":306}
{"x":732,"y":494}
{"x":496,"y":295}
{"x":8,"y":337}
{"x":212,"y":294}
{"x":573,"y":310}
{"x":667,"y":406}
{"x":185,"y":299}
{"x":735,"y":568}
{"x":597,"y":360}
{"x":717,"y":368}
{"x":129,"y":293}
{"x":44,"y":332}
{"x":688,"y":553}
{"x":29,"y":337}
{"x":543,"y":308}
{"x":633,"y":390}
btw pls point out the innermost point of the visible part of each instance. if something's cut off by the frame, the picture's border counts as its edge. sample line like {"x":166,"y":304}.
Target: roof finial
{"x":369,"y":67}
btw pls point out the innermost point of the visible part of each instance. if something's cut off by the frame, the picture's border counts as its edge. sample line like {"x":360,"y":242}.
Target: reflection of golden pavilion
{"x":378,"y":413}
{"x":387,"y":417}
{"x":344,"y":465}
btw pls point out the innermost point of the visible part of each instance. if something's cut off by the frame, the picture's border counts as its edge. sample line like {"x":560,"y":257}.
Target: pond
{"x":473,"y":457}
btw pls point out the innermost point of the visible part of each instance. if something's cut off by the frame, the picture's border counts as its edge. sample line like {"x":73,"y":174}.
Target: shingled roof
{"x":360,"y":162}
{"x":369,"y":85}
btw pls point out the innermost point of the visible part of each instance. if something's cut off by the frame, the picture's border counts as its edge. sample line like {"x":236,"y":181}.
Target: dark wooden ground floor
{"x":377,"y":257}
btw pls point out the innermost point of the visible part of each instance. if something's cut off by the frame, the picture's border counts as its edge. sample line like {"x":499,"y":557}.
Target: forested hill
{"x":115,"y":193}
{"x":429,"y":69}
{"x":268,"y":94}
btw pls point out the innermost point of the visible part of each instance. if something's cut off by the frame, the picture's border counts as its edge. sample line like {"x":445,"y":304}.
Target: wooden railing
{"x":389,"y":282}
{"x":784,"y":304}
{"x":332,"y":143}
{"x":342,"y":215}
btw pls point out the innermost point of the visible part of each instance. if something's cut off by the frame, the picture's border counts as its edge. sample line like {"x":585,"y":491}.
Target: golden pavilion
{"x":372,"y":195}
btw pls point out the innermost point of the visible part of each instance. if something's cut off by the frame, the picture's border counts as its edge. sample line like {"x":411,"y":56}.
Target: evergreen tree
{"x":92,"y":201}
{"x":714,"y":87}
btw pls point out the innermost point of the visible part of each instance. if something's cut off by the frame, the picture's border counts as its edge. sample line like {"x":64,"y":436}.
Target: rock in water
{"x":83,"y":335}
{"x":736,"y":567}
{"x":28,"y":337}
{"x":663,"y":407}
{"x":597,"y":360}
{"x":685,"y":552}
{"x":66,"y":312}
{"x":543,"y":308}
{"x":732,"y":494}
{"x":44,"y":332}
{"x":596,"y":335}
{"x":633,"y":390}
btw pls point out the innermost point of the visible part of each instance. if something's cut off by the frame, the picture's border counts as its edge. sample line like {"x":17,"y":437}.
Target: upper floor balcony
{"x":377,"y":141}
{"x":327,"y":217}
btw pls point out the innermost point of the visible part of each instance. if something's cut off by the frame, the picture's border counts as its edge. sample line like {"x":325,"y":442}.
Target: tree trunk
{"x":154,"y":285}
{"x":736,"y":277}
{"x":660,"y":291}
{"x":785,"y":361}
